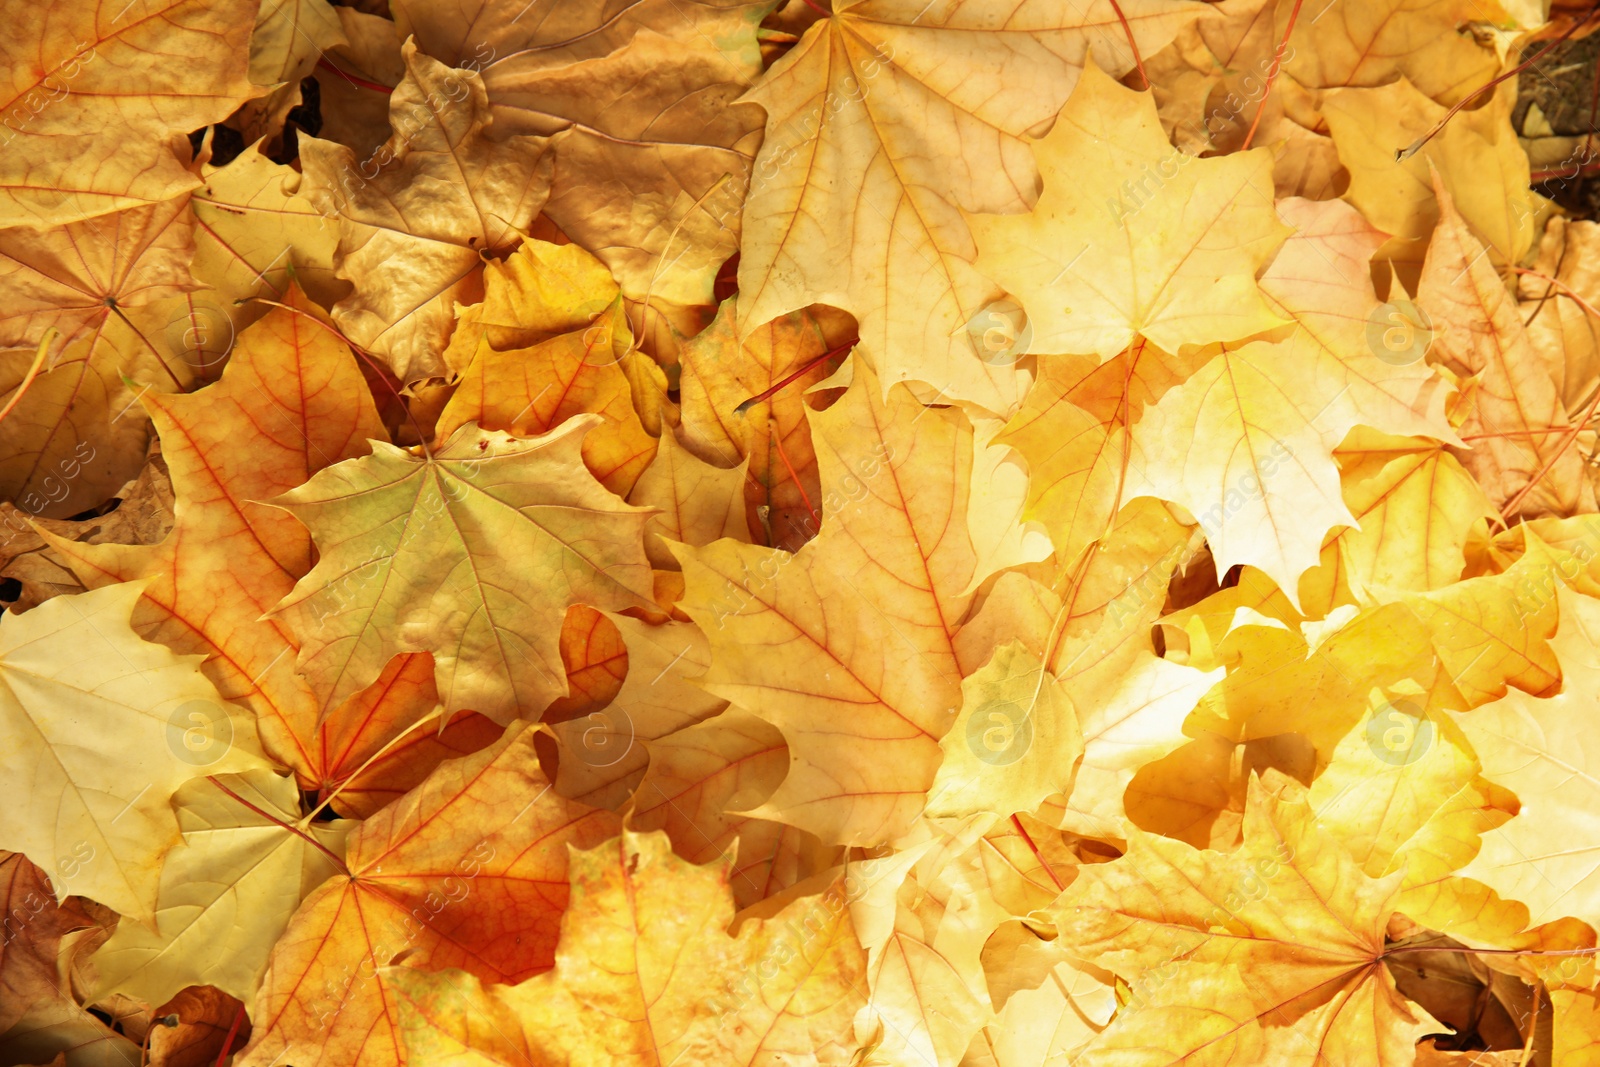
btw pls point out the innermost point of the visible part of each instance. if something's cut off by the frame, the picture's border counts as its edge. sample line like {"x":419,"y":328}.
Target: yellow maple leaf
{"x":1170,"y":255}
{"x":1271,"y":953}
{"x":417,"y":216}
{"x":99,"y":740}
{"x":103,"y":90}
{"x":852,"y":205}
{"x":848,"y":645}
{"x":646,"y":973}
{"x":473,"y":553}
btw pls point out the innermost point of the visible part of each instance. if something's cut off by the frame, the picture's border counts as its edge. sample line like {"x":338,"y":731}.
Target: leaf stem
{"x":1416,"y":146}
{"x":1272,"y":75}
{"x":274,"y":820}
{"x":376,"y":87}
{"x":810,"y":364}
{"x":233,"y":1032}
{"x":352,"y":776}
{"x":1137,"y":61}
{"x":1572,"y":434}
{"x":33,"y":372}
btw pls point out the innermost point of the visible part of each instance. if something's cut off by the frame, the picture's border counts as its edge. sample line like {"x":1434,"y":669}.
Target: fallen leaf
{"x":469,"y":503}
{"x":643,"y":931}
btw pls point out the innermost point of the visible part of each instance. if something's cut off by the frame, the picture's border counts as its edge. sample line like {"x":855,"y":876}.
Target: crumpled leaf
{"x":418,"y":215}
{"x":205,"y":1017}
{"x":35,"y":925}
{"x":143,"y":515}
{"x":110,"y":88}
{"x":644,"y":93}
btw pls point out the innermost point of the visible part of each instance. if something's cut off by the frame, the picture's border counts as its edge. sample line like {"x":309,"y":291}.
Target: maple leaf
{"x":846,"y":154}
{"x":1186,"y":927}
{"x":203,"y":1027}
{"x":1171,"y":257}
{"x":409,"y":253}
{"x":696,"y":503}
{"x":578,"y":372}
{"x":76,"y":433}
{"x":289,"y":37}
{"x":455,"y":541}
{"x":448,"y":876}
{"x":255,"y":235}
{"x":720,"y":373}
{"x":1538,"y":748}
{"x":1558,"y":326}
{"x":1071,"y":430}
{"x":1270,"y":412}
{"x":866,"y":615}
{"x":1015,"y":742}
{"x":151,"y":71}
{"x":1417,"y":507}
{"x":36,"y":923}
{"x":227,"y":892}
{"x":1380,"y":42}
{"x":1481,"y":334}
{"x":289,"y":403}
{"x":646,"y":973}
{"x":701,"y":777}
{"x":1052,"y":1015}
{"x":1477,"y":159}
{"x":643,"y":93}
{"x":939,"y":523}
{"x":99,"y":740}
{"x":601,"y":762}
